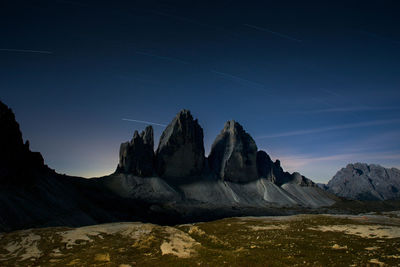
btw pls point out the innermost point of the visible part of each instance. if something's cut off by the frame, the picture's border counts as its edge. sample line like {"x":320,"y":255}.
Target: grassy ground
{"x":302,"y":240}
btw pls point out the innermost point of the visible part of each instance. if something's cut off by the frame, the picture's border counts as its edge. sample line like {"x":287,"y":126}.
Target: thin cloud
{"x":145,"y":122}
{"x":238,"y":79}
{"x":25,"y":51}
{"x":349,"y":109}
{"x":152,"y":81}
{"x":163,"y":57}
{"x":146,"y":81}
{"x":379,"y":37}
{"x":343,"y":100}
{"x":296,"y":162}
{"x":302,"y":160}
{"x":322,"y":101}
{"x":72,"y":3}
{"x":272,"y":32}
{"x":331,"y":128}
{"x":194,"y":22}
{"x":331,"y":92}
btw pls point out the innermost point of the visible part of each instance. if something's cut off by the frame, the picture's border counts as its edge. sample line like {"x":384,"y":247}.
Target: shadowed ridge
{"x":137,"y":156}
{"x":17,"y":162}
{"x":274,"y":172}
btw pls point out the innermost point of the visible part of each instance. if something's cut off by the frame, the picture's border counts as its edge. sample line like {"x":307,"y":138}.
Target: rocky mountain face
{"x":175,"y":184}
{"x":275,"y":173}
{"x":265,"y":166}
{"x":297,"y":178}
{"x":16,"y":159}
{"x":234,"y":174}
{"x":366,"y":182}
{"x":233,"y":154}
{"x":137,"y":156}
{"x":180,"y":152}
{"x":33,"y":195}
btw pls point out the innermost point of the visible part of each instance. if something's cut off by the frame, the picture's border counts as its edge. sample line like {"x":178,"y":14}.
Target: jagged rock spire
{"x":180,"y":152}
{"x":233,"y":154}
{"x":137,"y":156}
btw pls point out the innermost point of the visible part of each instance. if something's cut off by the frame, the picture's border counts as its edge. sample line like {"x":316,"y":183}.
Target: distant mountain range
{"x":365,"y":182}
{"x":173,"y":184}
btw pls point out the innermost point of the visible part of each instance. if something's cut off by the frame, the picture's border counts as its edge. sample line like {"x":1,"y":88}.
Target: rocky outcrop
{"x":265,"y":166}
{"x":366,"y":182}
{"x":297,"y":178}
{"x":148,"y":137}
{"x":137,"y":156}
{"x":16,"y":159}
{"x":322,"y":186}
{"x":233,"y":154}
{"x":273,"y":172}
{"x":280,"y":176}
{"x":180,"y":152}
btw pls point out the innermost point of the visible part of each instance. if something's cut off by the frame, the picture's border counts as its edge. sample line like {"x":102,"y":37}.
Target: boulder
{"x":180,"y":152}
{"x":137,"y":156}
{"x":233,"y":154}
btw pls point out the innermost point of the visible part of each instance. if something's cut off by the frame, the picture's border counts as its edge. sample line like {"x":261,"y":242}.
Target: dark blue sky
{"x":316,"y":83}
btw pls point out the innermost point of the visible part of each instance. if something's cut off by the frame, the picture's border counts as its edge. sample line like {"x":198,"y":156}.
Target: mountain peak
{"x":180,"y":152}
{"x":184,"y":112}
{"x":233,"y":154}
{"x":366,"y":182}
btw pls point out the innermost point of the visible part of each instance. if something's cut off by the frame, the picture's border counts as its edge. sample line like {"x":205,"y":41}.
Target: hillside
{"x":173,"y":184}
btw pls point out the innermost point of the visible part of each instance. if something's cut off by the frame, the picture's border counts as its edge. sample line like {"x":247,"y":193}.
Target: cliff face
{"x":240,"y":181}
{"x":366,"y":182}
{"x":180,"y":152}
{"x":32,"y":195}
{"x":275,"y":173}
{"x":233,"y":154}
{"x":234,"y":174}
{"x":137,"y":156}
{"x":180,"y":155}
{"x":16,"y":160}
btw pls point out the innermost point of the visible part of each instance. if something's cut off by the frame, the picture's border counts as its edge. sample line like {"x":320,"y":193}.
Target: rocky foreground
{"x":300,"y":240}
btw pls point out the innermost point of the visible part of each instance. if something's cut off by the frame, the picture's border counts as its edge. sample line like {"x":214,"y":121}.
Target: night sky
{"x":316,"y":83}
